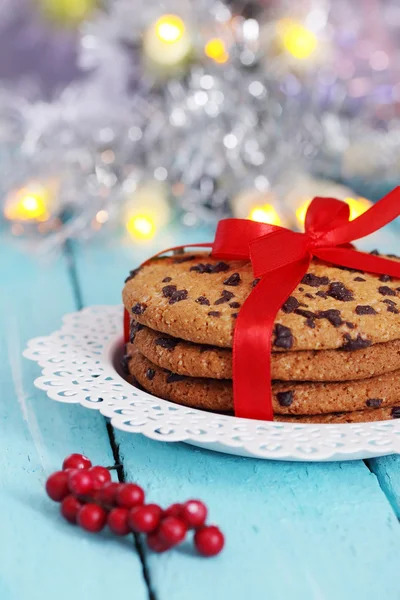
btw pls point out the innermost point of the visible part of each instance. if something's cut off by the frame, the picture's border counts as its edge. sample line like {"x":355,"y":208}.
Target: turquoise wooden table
{"x":294,"y":531}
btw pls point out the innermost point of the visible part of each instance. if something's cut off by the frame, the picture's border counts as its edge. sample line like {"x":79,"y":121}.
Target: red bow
{"x":280,"y":258}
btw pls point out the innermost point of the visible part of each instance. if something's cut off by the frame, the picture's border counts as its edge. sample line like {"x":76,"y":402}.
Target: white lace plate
{"x":80,"y":364}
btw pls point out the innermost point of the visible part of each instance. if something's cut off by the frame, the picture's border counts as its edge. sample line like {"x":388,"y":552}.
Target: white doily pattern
{"x":78,"y":366}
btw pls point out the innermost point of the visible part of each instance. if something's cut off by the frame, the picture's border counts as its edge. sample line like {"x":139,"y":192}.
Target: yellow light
{"x":28,"y":204}
{"x":302,"y":210}
{"x":358,"y":206}
{"x":170,"y":29}
{"x":265,"y":214}
{"x":299,"y":41}
{"x":215,"y":49}
{"x":141,"y":227}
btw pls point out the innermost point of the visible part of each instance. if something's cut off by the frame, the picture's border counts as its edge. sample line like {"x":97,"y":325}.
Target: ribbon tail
{"x":359,"y":260}
{"x":376,"y":217}
{"x":253,"y":341}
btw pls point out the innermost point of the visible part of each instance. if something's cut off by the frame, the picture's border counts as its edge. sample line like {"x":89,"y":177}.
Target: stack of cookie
{"x":336,"y":344}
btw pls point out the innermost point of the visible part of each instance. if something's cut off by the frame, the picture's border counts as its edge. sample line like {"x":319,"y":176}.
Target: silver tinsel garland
{"x":207,"y":132}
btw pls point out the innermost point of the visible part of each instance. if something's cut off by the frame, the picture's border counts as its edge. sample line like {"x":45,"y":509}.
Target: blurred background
{"x":152,"y":120}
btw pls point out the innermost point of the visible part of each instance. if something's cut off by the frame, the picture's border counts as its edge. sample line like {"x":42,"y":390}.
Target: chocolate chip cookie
{"x":197,"y":298}
{"x":294,"y":398}
{"x":199,"y":360}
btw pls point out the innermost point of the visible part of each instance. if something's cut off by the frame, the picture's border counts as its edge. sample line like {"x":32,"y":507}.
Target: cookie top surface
{"x":197,"y":298}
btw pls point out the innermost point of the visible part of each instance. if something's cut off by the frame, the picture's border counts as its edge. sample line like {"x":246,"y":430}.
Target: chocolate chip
{"x":385,"y":278}
{"x":310,"y":323}
{"x":365,"y":310}
{"x":167,"y":279}
{"x":332,"y":315}
{"x":209,"y":268}
{"x":203,"y":300}
{"x":355,"y":343}
{"x":168,"y":290}
{"x":322,"y":294}
{"x":305,"y":313}
{"x":350,"y":325}
{"x":182,"y":259}
{"x":290,"y":305}
{"x":234,"y":315}
{"x":393,"y":309}
{"x":283,"y":337}
{"x":255,"y":281}
{"x":132,"y":274}
{"x":134,"y":328}
{"x":221,"y":267}
{"x":359,"y":279}
{"x":314,"y":281}
{"x":234,"y":304}
{"x":310,"y":296}
{"x":391,"y":306}
{"x":214,"y":313}
{"x":395,"y":412}
{"x":339,"y":291}
{"x":150,"y":374}
{"x":234,"y":279}
{"x":301,"y":289}
{"x":139,"y":308}
{"x":202,"y":268}
{"x":168,"y":343}
{"x":375,"y":253}
{"x":373,"y":402}
{"x":285,"y":398}
{"x":178,"y":296}
{"x":225,"y":297}
{"x":393,"y":256}
{"x":172,"y":377}
{"x":386,"y":291}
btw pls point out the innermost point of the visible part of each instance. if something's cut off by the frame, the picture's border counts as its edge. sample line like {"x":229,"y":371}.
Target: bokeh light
{"x":170,"y":28}
{"x":216,"y":50}
{"x":299,"y":41}
{"x":265,"y":214}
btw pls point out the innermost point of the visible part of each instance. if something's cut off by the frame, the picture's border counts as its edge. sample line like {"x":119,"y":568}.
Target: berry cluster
{"x":89,"y":498}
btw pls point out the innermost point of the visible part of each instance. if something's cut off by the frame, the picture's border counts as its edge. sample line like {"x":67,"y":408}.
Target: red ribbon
{"x":280,"y":258}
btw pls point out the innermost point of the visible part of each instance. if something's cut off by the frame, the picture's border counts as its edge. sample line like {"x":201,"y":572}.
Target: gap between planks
{"x":118,"y":464}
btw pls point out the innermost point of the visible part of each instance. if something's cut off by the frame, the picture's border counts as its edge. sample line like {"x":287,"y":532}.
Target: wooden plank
{"x":41,"y":555}
{"x":387,"y":470}
{"x":294,"y":530}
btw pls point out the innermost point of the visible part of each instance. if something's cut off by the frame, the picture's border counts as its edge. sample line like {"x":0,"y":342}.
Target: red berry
{"x":144,"y":519}
{"x":129,"y":495}
{"x":100,"y":476}
{"x":117,"y":521}
{"x":76,"y":461}
{"x":92,"y":517}
{"x":80,"y":482}
{"x":172,"y":530}
{"x":209,"y":540}
{"x":194,"y":513}
{"x":106,"y":495}
{"x":57,"y":486}
{"x":70,"y":507}
{"x":156,"y":544}
{"x":173,"y":511}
